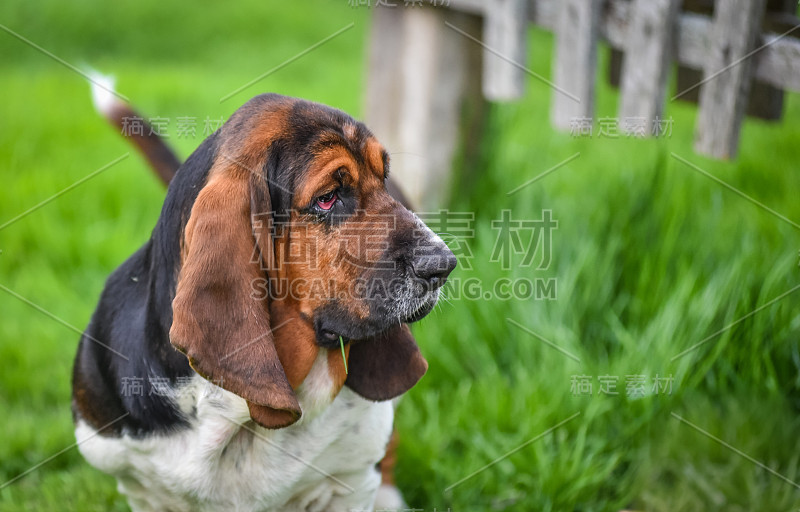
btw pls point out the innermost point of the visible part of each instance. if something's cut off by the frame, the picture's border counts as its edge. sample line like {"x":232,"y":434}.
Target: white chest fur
{"x":325,"y":461}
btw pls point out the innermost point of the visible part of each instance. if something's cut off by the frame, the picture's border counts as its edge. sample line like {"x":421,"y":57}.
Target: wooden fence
{"x":425,"y":101}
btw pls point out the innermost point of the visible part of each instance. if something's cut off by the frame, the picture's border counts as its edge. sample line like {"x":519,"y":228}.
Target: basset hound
{"x":246,"y":357}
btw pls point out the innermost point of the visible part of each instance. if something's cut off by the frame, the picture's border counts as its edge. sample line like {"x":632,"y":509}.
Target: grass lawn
{"x":650,"y":257}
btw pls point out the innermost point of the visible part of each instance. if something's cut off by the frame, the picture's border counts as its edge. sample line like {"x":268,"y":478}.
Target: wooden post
{"x":575,"y":61}
{"x":426,"y":70}
{"x":766,"y":101}
{"x":505,"y":31}
{"x":422,"y":77}
{"x":384,"y":76}
{"x":647,"y":60}
{"x":728,"y":74}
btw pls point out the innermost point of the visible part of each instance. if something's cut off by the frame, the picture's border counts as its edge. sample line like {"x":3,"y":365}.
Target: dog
{"x":246,"y":357}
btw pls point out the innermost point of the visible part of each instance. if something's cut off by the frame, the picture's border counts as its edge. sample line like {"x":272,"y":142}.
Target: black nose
{"x":434,"y":265}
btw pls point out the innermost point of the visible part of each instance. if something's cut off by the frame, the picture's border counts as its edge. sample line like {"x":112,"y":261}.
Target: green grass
{"x":650,"y":257}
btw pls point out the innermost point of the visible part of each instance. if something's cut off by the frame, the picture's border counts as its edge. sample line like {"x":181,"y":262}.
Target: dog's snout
{"x":434,"y":264}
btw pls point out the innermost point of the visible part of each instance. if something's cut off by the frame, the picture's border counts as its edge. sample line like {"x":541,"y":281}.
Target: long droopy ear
{"x":388,"y":365}
{"x":385,"y":366}
{"x":217,"y":322}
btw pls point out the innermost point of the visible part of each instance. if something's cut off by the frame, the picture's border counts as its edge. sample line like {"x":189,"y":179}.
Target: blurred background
{"x":642,"y":354}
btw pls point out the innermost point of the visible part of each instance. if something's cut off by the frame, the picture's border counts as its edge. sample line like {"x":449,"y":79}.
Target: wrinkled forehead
{"x":336,"y":149}
{"x":302,"y":145}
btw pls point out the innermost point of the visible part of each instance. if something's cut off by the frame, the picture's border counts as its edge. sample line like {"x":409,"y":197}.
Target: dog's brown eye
{"x":326,"y":202}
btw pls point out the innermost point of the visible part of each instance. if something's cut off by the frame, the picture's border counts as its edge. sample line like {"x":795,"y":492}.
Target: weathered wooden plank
{"x":384,"y":76}
{"x":647,"y":60}
{"x":468,"y":6}
{"x":544,"y":13}
{"x":422,"y":78}
{"x":727,"y":77}
{"x":693,"y":40}
{"x":614,"y":23}
{"x":765,"y":101}
{"x":575,"y":62}
{"x":777,"y":64}
{"x":505,"y":34}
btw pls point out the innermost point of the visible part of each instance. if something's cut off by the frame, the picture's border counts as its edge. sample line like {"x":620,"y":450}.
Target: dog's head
{"x":294,"y":246}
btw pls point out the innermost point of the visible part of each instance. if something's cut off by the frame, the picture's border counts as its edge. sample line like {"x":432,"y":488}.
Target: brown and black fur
{"x":160,"y":310}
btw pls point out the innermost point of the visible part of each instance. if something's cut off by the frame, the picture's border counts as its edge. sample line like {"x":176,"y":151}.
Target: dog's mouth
{"x":334,"y":328}
{"x":426,"y":307}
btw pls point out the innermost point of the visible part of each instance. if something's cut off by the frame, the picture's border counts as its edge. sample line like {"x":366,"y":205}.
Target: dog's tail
{"x":134,"y":128}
